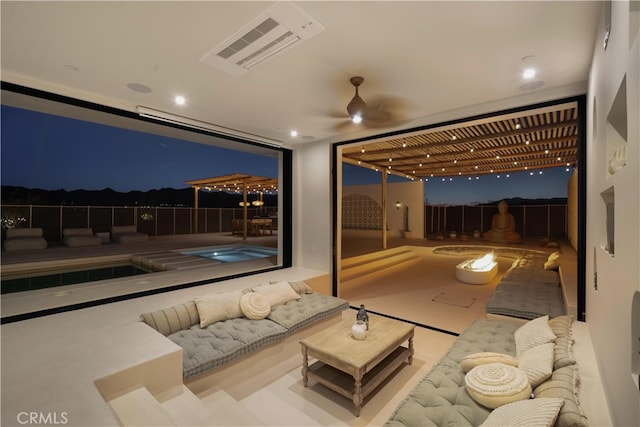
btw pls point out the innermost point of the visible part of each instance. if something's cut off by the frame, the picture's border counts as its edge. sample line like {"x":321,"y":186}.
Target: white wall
{"x":410,"y":193}
{"x":609,"y":307}
{"x":312,"y":206}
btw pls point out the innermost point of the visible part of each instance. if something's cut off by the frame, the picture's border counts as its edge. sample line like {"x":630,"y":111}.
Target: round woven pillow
{"x":254,"y":306}
{"x":496,"y":384}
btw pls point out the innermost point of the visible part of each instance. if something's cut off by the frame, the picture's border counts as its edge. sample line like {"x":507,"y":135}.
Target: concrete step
{"x":362,"y":270}
{"x":140,"y":408}
{"x":228,"y":411}
{"x":186,"y":409}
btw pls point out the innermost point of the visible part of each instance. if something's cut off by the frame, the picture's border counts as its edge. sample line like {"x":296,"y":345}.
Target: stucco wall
{"x":613,"y":111}
{"x":572,"y":210}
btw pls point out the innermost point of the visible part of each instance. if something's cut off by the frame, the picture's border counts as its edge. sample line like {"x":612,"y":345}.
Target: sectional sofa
{"x":216,"y":329}
{"x":499,"y":373}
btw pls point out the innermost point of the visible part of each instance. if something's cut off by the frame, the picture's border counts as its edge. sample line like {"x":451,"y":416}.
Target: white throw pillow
{"x":553,"y":256}
{"x":496,"y":384}
{"x":470,"y":361}
{"x":540,"y":412}
{"x":278,"y":293}
{"x":537,"y":363}
{"x":255,"y":306}
{"x":534,"y":332}
{"x":216,"y":307}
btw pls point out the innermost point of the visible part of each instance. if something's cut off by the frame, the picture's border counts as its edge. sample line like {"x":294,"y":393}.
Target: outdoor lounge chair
{"x":127,"y":234}
{"x":73,"y":237}
{"x":19,"y":239}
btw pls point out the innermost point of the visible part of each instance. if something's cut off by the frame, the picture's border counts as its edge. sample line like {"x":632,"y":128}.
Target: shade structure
{"x":236,"y":182}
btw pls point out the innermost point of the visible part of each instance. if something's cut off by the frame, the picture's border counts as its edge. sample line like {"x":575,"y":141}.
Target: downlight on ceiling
{"x":279,"y":28}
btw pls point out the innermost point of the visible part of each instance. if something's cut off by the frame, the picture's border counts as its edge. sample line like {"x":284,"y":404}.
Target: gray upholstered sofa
{"x":442,"y":398}
{"x":73,"y":237}
{"x":529,"y":289}
{"x":207,"y":346}
{"x":19,"y":239}
{"x":127,"y":234}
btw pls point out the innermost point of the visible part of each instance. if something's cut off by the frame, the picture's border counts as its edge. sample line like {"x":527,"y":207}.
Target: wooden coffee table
{"x":355,"y":368}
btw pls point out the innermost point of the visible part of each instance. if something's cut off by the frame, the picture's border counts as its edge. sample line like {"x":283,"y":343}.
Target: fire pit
{"x":477,"y":271}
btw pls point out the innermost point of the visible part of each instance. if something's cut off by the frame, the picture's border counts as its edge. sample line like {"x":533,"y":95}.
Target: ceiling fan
{"x":381,"y":111}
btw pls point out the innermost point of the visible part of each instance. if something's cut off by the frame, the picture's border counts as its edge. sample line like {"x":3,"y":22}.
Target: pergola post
{"x":384,"y":209}
{"x":244,"y":208}
{"x":195,"y":211}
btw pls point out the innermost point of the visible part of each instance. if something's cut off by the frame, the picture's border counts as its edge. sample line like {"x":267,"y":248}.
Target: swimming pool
{"x":51,"y":279}
{"x":228,"y":254}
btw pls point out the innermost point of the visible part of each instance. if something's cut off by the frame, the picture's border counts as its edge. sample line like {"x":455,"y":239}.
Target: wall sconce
{"x":244,"y":204}
{"x":398,"y":204}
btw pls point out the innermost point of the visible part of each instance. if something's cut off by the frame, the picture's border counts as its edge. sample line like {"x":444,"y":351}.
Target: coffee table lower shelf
{"x":344,"y":383}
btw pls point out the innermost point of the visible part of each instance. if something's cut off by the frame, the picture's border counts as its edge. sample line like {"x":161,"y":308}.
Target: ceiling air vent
{"x":280,"y":27}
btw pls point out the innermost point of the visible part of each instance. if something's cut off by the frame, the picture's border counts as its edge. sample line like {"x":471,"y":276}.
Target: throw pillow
{"x":533,"y":333}
{"x":552,"y":265}
{"x":216,"y":307}
{"x":532,"y":412}
{"x":496,"y":384}
{"x":563,"y":353}
{"x":537,"y":363}
{"x":278,"y":293}
{"x":470,"y":361}
{"x":564,"y":384}
{"x":255,"y":306}
{"x":561,"y":325}
{"x":300,"y":287}
{"x":553,"y":256}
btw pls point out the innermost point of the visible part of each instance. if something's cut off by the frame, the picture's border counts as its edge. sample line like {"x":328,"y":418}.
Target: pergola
{"x":234,"y":183}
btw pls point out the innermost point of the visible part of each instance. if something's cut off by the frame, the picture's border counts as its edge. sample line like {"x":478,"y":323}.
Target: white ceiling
{"x":443,"y":59}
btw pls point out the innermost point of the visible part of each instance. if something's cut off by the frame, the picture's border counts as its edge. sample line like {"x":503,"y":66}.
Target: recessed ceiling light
{"x":293,"y":133}
{"x":356,"y":119}
{"x":529,"y":73}
{"x":180,"y":100}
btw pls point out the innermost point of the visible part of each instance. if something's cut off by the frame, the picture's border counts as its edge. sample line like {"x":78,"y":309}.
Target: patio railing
{"x":154,"y":221}
{"x":531,"y":220}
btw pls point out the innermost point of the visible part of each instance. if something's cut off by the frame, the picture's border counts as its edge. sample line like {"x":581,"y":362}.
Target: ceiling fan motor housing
{"x":356,"y":106}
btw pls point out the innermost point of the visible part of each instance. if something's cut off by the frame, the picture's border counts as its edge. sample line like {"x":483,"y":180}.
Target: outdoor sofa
{"x":500,"y":373}
{"x":74,"y":237}
{"x":126,"y":234}
{"x":19,"y":239}
{"x":217,"y":329}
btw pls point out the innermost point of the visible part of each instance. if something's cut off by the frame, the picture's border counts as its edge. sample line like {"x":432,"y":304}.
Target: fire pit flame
{"x":482,"y":263}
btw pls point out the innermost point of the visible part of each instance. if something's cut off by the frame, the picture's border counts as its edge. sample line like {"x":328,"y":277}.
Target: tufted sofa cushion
{"x":441,"y":399}
{"x":223,"y":341}
{"x":526,"y":300}
{"x":309,"y":308}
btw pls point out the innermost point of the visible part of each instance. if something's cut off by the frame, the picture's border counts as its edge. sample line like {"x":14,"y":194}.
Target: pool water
{"x":233,"y":253}
{"x":51,"y":280}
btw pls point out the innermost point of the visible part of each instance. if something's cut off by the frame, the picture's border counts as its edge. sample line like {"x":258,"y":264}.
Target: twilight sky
{"x":50,"y":152}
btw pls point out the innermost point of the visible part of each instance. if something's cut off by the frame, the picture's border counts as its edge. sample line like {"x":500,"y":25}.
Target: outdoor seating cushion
{"x":306,"y":310}
{"x":127,"y":234}
{"x":441,"y":398}
{"x":224,"y":341}
{"x":73,"y":237}
{"x":19,"y":239}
